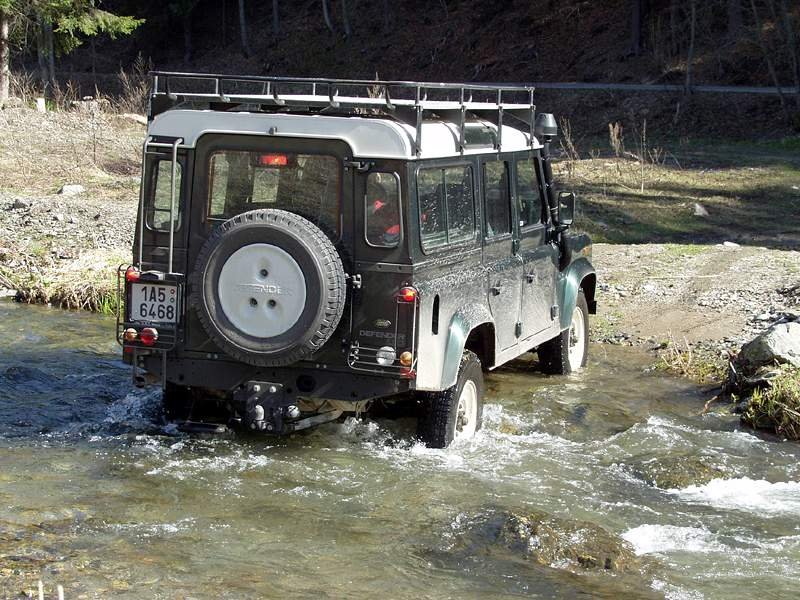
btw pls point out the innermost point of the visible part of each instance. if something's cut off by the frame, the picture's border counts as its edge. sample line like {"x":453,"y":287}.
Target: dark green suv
{"x":307,"y":247}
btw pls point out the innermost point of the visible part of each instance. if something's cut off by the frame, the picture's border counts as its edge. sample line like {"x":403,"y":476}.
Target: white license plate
{"x":154,"y":303}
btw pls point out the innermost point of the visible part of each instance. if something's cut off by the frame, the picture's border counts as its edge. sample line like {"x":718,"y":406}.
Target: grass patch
{"x":88,"y":283}
{"x":685,"y":361}
{"x":777,"y":407}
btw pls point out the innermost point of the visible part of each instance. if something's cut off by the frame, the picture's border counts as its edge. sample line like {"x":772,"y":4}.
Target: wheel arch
{"x":471,"y":328}
{"x":579,"y":275}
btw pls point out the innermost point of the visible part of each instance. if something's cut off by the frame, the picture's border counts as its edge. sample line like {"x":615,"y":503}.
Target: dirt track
{"x":717,"y":295}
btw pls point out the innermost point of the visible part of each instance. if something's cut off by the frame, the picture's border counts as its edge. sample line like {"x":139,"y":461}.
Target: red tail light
{"x":148,"y":336}
{"x":132,"y":274}
{"x":407,"y":294}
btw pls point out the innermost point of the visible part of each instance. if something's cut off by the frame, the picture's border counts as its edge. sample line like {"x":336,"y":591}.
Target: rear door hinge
{"x":518,"y":330}
{"x":362,"y":166}
{"x":356,"y":282}
{"x":554,"y":312}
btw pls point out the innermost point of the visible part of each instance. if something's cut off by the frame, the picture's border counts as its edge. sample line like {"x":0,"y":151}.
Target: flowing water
{"x":99,"y":495}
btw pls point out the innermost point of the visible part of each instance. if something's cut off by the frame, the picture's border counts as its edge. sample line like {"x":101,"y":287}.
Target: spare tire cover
{"x":268,"y":287}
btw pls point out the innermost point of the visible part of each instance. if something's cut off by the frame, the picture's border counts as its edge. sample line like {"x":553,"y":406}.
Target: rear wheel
{"x":455,"y":413}
{"x":568,"y":351}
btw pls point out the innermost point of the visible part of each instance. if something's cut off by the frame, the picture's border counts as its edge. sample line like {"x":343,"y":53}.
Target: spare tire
{"x":268,"y":287}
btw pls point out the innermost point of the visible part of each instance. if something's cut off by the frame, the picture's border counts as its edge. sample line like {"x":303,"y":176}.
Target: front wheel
{"x":454,"y":413}
{"x":567,"y":352}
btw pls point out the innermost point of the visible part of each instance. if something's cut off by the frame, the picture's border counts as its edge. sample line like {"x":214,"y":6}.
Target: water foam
{"x":746,"y":494}
{"x":653,"y":539}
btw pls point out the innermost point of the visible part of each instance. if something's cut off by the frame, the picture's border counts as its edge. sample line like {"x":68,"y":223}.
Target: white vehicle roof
{"x":368,"y":137}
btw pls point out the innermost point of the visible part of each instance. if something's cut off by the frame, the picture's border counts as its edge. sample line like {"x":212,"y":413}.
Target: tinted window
{"x":305,"y":184}
{"x":497,"y":198}
{"x":447,"y":208}
{"x":528,"y":194}
{"x":161,"y":196}
{"x":382,"y":209}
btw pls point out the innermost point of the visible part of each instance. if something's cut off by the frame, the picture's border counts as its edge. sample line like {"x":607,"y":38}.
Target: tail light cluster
{"x":147,"y":336}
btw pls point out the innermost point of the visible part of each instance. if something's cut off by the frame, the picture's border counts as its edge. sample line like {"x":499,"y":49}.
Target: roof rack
{"x":409,"y":102}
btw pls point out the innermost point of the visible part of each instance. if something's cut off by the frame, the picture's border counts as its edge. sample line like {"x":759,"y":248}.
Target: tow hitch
{"x":265,"y":406}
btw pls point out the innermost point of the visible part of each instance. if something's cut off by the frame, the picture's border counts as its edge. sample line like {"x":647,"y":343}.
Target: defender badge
{"x":383,"y":323}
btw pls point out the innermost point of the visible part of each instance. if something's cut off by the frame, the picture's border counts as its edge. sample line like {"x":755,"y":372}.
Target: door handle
{"x":496,"y":290}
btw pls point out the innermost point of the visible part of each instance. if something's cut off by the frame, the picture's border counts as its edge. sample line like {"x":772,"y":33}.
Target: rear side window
{"x":382,"y":210}
{"x":161,"y":195}
{"x":446,"y":205}
{"x":528,"y":194}
{"x":305,"y":184}
{"x":497,"y":197}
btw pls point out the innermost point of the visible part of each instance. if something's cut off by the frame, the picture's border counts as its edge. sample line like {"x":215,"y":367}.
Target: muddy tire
{"x":268,"y":287}
{"x":457,"y":412}
{"x":568,"y":351}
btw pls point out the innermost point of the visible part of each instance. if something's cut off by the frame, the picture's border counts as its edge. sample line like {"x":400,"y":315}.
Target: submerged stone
{"x":677,"y":472}
{"x":566,"y":544}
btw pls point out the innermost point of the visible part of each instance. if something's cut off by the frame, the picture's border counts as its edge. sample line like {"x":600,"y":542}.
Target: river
{"x":99,"y":495}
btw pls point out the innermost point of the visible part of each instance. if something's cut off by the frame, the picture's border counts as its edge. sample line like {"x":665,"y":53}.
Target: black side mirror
{"x":566,"y":208}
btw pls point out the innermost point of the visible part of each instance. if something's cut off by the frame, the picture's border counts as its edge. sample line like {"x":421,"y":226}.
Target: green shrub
{"x":777,"y":407}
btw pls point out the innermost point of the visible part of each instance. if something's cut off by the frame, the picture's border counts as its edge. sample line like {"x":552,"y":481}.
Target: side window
{"x":161,"y":196}
{"x":446,"y":206}
{"x":382,"y":210}
{"x":528,"y":195}
{"x":497,"y":197}
{"x":460,"y":206}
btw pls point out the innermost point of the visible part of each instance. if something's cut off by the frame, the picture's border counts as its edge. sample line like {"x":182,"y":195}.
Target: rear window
{"x":446,"y":203}
{"x":158,"y":207}
{"x":305,"y":184}
{"x":382,"y":210}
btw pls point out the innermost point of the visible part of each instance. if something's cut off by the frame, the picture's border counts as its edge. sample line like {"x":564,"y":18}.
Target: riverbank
{"x":67,"y":204}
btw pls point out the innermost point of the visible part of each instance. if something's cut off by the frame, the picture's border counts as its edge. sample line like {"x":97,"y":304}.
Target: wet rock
{"x":571,"y":545}
{"x":71,"y":190}
{"x":779,"y":344}
{"x":677,"y":472}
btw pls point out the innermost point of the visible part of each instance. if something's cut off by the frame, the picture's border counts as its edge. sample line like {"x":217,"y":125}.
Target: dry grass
{"x":777,"y":407}
{"x":78,"y":142}
{"x":681,"y":359}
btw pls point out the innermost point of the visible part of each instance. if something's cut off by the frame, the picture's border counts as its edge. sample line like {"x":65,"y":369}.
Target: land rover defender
{"x":307,"y":248}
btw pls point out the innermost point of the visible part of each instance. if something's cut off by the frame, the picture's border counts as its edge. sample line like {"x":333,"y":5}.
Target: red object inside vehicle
{"x":273,"y":160}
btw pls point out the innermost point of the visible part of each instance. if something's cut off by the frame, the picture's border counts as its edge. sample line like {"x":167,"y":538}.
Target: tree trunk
{"x":5,"y":58}
{"x":791,"y":39}
{"x":734,"y":19}
{"x":387,"y":16}
{"x":276,"y":18}
{"x":345,"y":19}
{"x":243,"y":30}
{"x":188,"y":45}
{"x":636,"y":27}
{"x":770,"y":65}
{"x":690,"y":54}
{"x":326,"y":13}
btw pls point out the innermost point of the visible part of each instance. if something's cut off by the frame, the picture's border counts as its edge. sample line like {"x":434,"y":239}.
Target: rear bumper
{"x":298,"y":381}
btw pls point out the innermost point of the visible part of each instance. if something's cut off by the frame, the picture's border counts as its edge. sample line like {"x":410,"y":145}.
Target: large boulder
{"x":779,"y":344}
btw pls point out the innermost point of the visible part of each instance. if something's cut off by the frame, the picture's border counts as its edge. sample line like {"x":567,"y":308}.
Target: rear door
{"x":380,"y":323}
{"x":540,"y":258}
{"x":500,"y":256}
